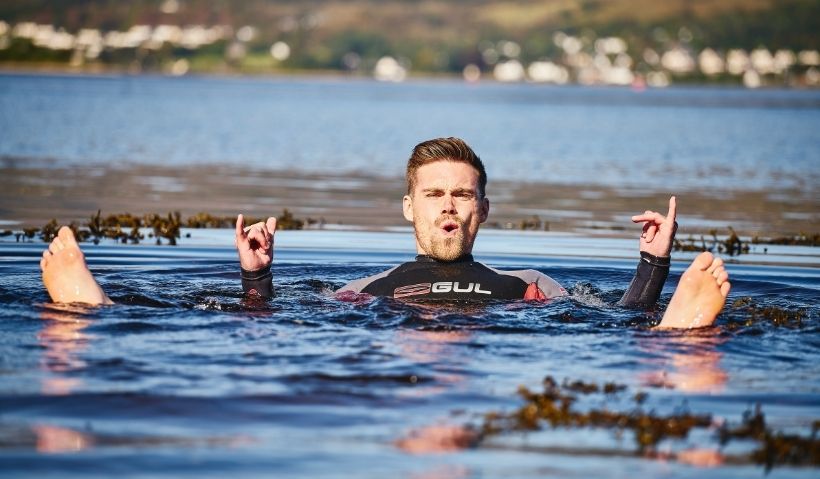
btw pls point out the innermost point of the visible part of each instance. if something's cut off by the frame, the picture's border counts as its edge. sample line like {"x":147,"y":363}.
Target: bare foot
{"x":700,"y":294}
{"x":66,"y":275}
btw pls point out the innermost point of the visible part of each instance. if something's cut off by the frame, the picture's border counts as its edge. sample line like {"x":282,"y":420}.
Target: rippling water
{"x":184,"y":377}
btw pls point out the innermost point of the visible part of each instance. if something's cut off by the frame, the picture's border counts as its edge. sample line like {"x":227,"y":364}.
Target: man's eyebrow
{"x":455,"y":191}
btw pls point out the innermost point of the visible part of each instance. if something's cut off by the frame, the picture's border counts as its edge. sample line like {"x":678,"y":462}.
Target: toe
{"x":67,"y":236}
{"x":722,"y":277}
{"x":716,"y":263}
{"x":43,"y":262}
{"x":54,"y":247}
{"x":703,"y":260}
{"x":724,"y":289}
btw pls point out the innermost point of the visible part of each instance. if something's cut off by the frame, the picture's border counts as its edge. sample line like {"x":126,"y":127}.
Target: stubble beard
{"x":443,"y":248}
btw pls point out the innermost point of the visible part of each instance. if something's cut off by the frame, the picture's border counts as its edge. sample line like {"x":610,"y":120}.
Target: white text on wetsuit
{"x":447,"y":286}
{"x":439,"y":287}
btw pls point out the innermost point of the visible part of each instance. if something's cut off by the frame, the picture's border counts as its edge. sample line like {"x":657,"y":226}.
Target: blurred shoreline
{"x":61,"y":69}
{"x":33,"y":194}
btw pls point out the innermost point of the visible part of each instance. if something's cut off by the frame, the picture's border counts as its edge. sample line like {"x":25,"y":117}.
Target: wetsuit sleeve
{"x":258,"y":282}
{"x":358,"y":285}
{"x":646,"y":286}
{"x":539,"y":286}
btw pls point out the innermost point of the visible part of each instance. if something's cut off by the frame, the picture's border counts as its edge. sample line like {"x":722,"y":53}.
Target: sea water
{"x":185,"y":377}
{"x":657,"y":139}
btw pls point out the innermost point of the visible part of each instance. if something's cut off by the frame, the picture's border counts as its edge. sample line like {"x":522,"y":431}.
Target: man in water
{"x":446,"y":203}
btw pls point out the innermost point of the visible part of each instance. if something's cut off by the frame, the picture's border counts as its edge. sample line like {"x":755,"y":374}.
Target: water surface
{"x":184,"y":377}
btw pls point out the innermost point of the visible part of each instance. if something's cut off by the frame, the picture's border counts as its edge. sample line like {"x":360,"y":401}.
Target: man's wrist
{"x":660,"y":261}
{"x":255,"y":274}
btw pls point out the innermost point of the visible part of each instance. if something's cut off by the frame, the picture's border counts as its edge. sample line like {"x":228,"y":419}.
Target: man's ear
{"x":407,"y":207}
{"x":484,"y":209}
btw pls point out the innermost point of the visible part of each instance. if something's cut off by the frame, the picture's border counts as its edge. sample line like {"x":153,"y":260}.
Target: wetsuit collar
{"x":423,"y":258}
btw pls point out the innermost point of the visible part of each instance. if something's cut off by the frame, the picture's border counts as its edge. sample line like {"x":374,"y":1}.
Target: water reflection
{"x":688,"y":362}
{"x":62,"y":339}
{"x":444,"y":471}
{"x":435,"y":349}
{"x":53,"y":439}
{"x":438,"y":439}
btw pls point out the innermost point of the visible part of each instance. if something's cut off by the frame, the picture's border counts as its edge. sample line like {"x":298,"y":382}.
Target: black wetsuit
{"x":426,"y":278}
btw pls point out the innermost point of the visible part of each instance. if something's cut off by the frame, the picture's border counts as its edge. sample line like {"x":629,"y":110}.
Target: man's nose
{"x":449,"y":205}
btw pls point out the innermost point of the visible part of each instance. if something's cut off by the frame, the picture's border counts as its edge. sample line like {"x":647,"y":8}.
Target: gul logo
{"x":439,"y":287}
{"x":447,"y":286}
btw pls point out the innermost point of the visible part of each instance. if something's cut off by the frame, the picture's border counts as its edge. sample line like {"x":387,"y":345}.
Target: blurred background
{"x":585,"y":111}
{"x":615,"y":42}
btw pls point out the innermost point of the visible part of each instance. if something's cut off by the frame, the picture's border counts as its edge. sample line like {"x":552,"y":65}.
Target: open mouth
{"x":449,"y":226}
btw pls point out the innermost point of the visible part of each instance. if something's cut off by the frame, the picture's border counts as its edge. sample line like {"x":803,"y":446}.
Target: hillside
{"x":430,"y":35}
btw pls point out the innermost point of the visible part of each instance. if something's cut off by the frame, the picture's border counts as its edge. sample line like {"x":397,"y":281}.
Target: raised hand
{"x":255,"y":243}
{"x":658,"y":230}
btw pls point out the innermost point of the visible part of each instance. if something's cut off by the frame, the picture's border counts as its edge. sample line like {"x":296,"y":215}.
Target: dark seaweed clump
{"x":555,"y":407}
{"x":752,"y":314}
{"x":732,"y":245}
{"x":774,"y":448}
{"x":125,"y":227}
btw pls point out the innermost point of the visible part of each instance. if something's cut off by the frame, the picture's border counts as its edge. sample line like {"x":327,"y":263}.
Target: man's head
{"x":445,"y":197}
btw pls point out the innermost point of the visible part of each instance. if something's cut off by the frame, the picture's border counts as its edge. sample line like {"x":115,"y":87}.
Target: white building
{"x":710,"y":62}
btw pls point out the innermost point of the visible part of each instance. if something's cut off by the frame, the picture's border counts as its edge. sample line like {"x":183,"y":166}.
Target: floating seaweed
{"x":28,"y":233}
{"x":554,"y":407}
{"x":114,"y":227}
{"x":207,"y":220}
{"x":95,"y":228}
{"x":80,"y":234}
{"x":125,"y":227}
{"x":49,"y":231}
{"x":753,"y":314}
{"x":774,"y":448}
{"x":732,"y":245}
{"x":288,"y":222}
{"x":533,"y":223}
{"x":803,"y":239}
{"x":165,"y":226}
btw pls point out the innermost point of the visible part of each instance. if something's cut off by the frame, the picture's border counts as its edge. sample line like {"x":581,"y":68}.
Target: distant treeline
{"x":430,"y":36}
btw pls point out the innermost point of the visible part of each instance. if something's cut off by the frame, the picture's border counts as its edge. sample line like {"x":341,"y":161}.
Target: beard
{"x":443,"y":248}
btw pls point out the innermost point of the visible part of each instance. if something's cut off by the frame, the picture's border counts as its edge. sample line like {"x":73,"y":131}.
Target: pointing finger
{"x":240,"y":226}
{"x":673,"y":209}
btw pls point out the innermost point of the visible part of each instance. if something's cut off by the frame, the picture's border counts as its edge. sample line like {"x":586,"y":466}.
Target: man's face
{"x":446,"y":209}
